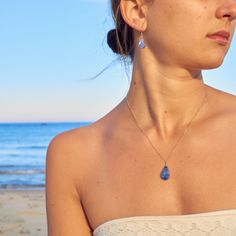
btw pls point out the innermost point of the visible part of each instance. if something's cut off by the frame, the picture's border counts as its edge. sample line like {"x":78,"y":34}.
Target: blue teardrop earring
{"x":141,"y":43}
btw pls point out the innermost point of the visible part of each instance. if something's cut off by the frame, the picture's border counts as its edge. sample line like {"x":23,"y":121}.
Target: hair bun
{"x":112,"y":41}
{"x":119,"y":44}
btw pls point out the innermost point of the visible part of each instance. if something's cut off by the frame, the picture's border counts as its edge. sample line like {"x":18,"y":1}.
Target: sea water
{"x":23,"y":149}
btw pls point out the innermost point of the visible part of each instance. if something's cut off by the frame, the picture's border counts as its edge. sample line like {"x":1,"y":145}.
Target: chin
{"x":209,"y":62}
{"x":214,"y":59}
{"x":212,"y":65}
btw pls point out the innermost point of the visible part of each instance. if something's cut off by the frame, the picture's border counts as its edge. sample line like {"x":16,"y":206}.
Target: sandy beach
{"x":23,"y":212}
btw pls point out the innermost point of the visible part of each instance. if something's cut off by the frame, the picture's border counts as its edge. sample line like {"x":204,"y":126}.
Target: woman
{"x":163,"y":160}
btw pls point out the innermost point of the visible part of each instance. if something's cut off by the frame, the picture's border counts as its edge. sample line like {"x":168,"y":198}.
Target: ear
{"x":134,"y":13}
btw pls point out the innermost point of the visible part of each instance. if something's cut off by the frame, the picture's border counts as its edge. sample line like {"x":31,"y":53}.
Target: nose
{"x":227,"y":10}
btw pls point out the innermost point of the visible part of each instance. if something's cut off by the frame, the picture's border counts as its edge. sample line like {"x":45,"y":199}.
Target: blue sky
{"x":48,"y":46}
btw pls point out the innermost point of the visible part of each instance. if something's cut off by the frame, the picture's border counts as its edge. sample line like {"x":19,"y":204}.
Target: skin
{"x":108,"y":170}
{"x":122,"y":170}
{"x":167,"y":84}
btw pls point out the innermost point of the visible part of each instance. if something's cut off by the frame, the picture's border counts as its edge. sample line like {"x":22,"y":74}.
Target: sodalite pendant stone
{"x":165,"y":173}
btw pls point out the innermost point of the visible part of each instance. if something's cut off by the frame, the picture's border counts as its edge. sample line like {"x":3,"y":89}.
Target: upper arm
{"x":65,"y":216}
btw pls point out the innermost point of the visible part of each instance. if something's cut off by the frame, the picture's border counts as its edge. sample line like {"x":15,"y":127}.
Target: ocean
{"x":23,"y":149}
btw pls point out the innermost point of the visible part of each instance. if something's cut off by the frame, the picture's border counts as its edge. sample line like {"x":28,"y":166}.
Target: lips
{"x":221,"y":37}
{"x":221,"y":33}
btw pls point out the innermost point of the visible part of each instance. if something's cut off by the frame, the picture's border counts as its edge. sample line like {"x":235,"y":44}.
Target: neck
{"x":164,"y":101}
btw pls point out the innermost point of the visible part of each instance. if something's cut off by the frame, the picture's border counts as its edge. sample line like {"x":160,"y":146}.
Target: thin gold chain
{"x":181,"y":136}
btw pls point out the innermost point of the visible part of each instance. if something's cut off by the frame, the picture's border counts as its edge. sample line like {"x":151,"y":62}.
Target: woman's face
{"x":177,"y":31}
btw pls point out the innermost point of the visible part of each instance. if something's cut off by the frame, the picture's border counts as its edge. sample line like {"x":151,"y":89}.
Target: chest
{"x":125,"y":179}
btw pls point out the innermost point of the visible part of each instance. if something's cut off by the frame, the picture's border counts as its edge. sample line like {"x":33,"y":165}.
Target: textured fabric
{"x":215,"y":223}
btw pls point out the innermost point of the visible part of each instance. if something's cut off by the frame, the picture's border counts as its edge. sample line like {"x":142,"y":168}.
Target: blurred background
{"x":49,"y":50}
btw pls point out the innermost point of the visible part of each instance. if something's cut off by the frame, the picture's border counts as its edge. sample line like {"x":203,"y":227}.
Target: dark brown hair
{"x":120,"y":39}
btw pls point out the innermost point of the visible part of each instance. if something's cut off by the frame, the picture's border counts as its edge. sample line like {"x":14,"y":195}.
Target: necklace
{"x":165,"y":173}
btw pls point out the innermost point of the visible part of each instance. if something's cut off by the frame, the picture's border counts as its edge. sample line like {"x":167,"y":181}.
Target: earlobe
{"x":133,"y":14}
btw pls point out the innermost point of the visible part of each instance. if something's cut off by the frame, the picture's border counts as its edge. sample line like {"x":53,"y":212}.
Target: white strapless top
{"x":215,"y":223}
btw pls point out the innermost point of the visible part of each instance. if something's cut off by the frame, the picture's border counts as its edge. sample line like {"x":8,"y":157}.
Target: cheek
{"x":171,"y":20}
{"x":178,"y":32}
{"x":174,"y":31}
{"x":178,"y":24}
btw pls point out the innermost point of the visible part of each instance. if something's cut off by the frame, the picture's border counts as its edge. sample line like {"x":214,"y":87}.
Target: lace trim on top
{"x":212,"y":223}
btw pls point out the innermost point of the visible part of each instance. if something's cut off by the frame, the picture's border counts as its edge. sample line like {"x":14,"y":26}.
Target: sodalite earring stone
{"x":141,"y":43}
{"x":165,"y":173}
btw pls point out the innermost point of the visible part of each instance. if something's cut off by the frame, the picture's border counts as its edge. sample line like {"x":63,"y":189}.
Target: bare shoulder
{"x":67,"y":141}
{"x":223,"y":106}
{"x":224,"y":101}
{"x":227,"y":102}
{"x":72,"y":148}
{"x":66,"y":166}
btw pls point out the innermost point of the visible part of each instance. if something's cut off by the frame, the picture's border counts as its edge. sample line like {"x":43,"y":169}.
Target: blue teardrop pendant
{"x":165,"y":173}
